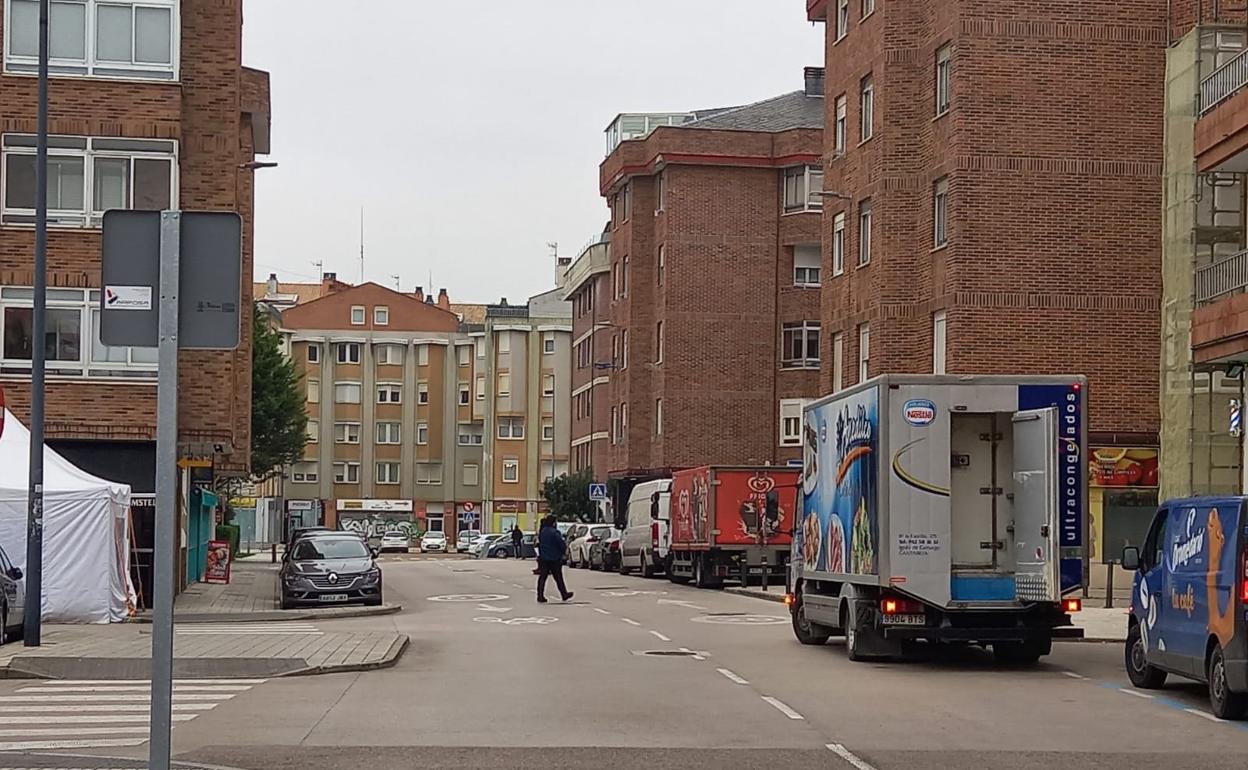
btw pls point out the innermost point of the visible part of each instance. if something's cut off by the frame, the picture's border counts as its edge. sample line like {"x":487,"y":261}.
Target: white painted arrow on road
{"x":489,"y":608}
{"x":687,"y":605}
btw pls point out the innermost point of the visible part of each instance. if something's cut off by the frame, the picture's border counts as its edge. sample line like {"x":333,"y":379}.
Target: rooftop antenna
{"x":554,"y":248}
{"x":361,"y":244}
{"x":398,"y":285}
{"x":320,"y":268}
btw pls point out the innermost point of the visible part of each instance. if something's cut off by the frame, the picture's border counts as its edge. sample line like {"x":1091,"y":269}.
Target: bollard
{"x":274,"y":557}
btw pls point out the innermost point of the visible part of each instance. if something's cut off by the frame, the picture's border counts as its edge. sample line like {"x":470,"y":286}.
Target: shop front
{"x":374,"y":518}
{"x":1122,"y":500}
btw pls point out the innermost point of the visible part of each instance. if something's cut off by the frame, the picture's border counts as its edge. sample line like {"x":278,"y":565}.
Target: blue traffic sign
{"x":597,"y":491}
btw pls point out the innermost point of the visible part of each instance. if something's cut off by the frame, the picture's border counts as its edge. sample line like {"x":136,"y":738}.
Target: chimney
{"x":271,"y":289}
{"x":561,"y":271}
{"x":420,"y":293}
{"x":444,"y":299}
{"x":815,"y":81}
{"x":329,"y":283}
{"x":429,"y":300}
{"x":503,"y":302}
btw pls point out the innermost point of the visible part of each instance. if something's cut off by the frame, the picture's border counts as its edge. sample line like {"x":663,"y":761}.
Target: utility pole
{"x":32,"y":620}
{"x":361,"y":244}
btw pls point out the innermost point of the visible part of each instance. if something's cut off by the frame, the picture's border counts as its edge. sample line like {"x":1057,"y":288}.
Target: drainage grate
{"x":670,"y":653}
{"x":462,"y":570}
{"x":724,"y":614}
{"x":608,"y":588}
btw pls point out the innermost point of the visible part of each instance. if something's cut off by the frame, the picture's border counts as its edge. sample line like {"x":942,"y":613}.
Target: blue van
{"x":1189,"y":607}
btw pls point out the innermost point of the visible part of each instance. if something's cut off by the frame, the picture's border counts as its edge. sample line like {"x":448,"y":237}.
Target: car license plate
{"x":333,"y":597}
{"x":905,"y":620}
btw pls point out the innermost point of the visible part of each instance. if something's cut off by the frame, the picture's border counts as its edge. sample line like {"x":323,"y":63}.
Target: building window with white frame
{"x":314,"y":431}
{"x":624,"y":278}
{"x":464,"y":354}
{"x":864,"y":232}
{"x":390,"y":355}
{"x":800,"y":345}
{"x":88,"y":176}
{"x":658,"y":342}
{"x":867,"y":94}
{"x":660,"y":197}
{"x":658,"y":417}
{"x":389,"y":433}
{"x":803,"y":188}
{"x":838,"y":362}
{"x":391,"y":393}
{"x":868,"y":8}
{"x":314,"y":353}
{"x":381,"y":315}
{"x":842,"y":116}
{"x":422,"y":433}
{"x":472,"y":474}
{"x":842,"y":19}
{"x":940,"y":212}
{"x":615,"y":425}
{"x":346,"y":433}
{"x":427,"y":474}
{"x":347,"y":393}
{"x":348,"y":352}
{"x":548,"y":343}
{"x":511,"y":470}
{"x":314,"y":391}
{"x":113,"y":39}
{"x":807,"y":265}
{"x":471,"y":434}
{"x":465,"y":394}
{"x":422,"y":393}
{"x":661,"y":262}
{"x":511,"y":427}
{"x":838,"y":244}
{"x":387,"y":472}
{"x":504,"y":342}
{"x":504,"y":384}
{"x":347,"y":473}
{"x":305,"y":473}
{"x":944,"y":78}
{"x":623,"y":420}
{"x":422,"y":355}
{"x":358,"y":315}
{"x":624,"y":350}
{"x":481,"y":388}
{"x":548,"y":385}
{"x":939,"y":342}
{"x":864,"y":352}
{"x":548,"y":430}
{"x":791,"y":421}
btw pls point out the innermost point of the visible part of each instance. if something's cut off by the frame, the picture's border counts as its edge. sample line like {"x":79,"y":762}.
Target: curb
{"x":271,"y":616}
{"x":397,"y":648}
{"x":767,"y":596}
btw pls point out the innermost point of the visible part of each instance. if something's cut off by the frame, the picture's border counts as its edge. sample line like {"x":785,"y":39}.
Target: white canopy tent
{"x":86,"y":561}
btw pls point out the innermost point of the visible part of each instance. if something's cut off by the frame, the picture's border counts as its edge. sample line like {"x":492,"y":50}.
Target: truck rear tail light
{"x":1243,"y":576}
{"x":654,"y":534}
{"x":1072,"y":605}
{"x":892,"y":605}
{"x":615,"y":545}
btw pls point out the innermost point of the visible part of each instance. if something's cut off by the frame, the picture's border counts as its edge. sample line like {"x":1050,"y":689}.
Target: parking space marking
{"x":630,"y":621}
{"x":601,"y":611}
{"x":782,"y":707}
{"x":659,"y":636}
{"x":1204,"y":715}
{"x":733,"y":677}
{"x":858,"y":762}
{"x":1073,"y":675}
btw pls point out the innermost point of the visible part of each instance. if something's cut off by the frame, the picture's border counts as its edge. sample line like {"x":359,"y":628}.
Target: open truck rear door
{"x":1036,"y":503}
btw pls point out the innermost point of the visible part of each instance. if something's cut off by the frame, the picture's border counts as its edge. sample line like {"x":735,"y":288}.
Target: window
{"x":940,"y":212}
{"x":548,"y":430}
{"x":864,"y":232}
{"x":803,"y":186}
{"x":842,"y":113}
{"x":944,"y":73}
{"x":472,"y":475}
{"x":615,"y":425}
{"x":387,"y":473}
{"x":347,"y":473}
{"x":348,"y":352}
{"x":117,"y":39}
{"x":504,"y":342}
{"x":465,"y":394}
{"x":389,"y":394}
{"x":624,"y":278}
{"x":504,"y":384}
{"x":801,"y":345}
{"x":464,"y":355}
{"x":548,"y":343}
{"x":435,"y":518}
{"x":661,"y":263}
{"x":389,"y":433}
{"x":838,"y":362}
{"x":429,"y":473}
{"x":842,"y":19}
{"x":390,"y":355}
{"x":658,"y":342}
{"x":479,"y":344}
{"x":627,"y":195}
{"x":357,"y":315}
{"x":422,"y":433}
{"x":791,"y":421}
{"x":623,"y":420}
{"x":314,"y":353}
{"x":422,"y":393}
{"x":347,"y":393}
{"x":304,"y":473}
{"x":73,"y":321}
{"x":624,"y":350}
{"x":807,"y":264}
{"x":87,"y":177}
{"x":471,"y":434}
{"x":314,"y":431}
{"x":615,"y":281}
{"x":481,"y":388}
{"x":660,"y":184}
{"x":548,"y":385}
{"x":938,"y":342}
{"x":346,"y":433}
{"x":511,"y":427}
{"x":381,"y":315}
{"x":868,"y":107}
{"x":658,"y":417}
{"x":868,"y":8}
{"x":511,"y":470}
{"x":314,"y":391}
{"x":422,"y":355}
{"x":838,"y":244}
{"x":864,"y":352}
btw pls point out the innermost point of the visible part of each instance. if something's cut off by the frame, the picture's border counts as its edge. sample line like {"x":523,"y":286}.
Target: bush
{"x":231,"y":532}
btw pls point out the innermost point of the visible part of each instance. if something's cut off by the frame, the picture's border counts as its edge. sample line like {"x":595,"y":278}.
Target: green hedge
{"x":232,"y":533}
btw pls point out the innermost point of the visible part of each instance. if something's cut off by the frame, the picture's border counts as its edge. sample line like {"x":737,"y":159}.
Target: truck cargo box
{"x":716,"y":507}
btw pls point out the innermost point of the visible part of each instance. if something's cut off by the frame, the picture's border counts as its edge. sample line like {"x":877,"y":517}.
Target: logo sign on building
{"x":298,"y":505}
{"x":598,"y":492}
{"x":919,"y":412}
{"x":404,"y":506}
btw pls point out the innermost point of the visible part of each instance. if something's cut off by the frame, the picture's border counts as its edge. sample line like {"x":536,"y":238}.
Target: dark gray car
{"x":329,"y":568}
{"x":12,"y":599}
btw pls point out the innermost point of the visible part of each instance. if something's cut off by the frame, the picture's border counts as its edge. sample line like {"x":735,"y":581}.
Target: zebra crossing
{"x":89,"y":714}
{"x":281,"y":628}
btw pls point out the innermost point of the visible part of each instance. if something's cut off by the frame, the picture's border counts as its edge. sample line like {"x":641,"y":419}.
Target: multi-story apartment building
{"x":711,"y":295}
{"x":150,"y":108}
{"x":588,"y":288}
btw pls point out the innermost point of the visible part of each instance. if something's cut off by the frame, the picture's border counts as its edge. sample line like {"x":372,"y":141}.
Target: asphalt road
{"x":494,"y":680}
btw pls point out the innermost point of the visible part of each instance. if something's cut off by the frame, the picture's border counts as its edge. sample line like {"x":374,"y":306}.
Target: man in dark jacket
{"x":517,"y":540}
{"x":550,"y":550}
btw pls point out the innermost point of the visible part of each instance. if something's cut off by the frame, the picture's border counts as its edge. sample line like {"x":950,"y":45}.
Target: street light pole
{"x":38,"y":356}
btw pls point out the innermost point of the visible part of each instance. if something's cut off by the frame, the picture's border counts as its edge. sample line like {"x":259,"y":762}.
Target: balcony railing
{"x":1222,"y":278}
{"x":1224,"y":82}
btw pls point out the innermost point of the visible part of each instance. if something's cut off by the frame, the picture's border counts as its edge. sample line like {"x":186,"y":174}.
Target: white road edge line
{"x":850,"y":757}
{"x":1143,"y":695}
{"x":601,"y":610}
{"x":782,"y":708}
{"x":630,"y":621}
{"x":657,"y":635}
{"x":1204,"y":715}
{"x":732,"y":676}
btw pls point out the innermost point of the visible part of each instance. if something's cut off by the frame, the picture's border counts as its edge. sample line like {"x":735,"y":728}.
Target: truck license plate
{"x":905,"y":620}
{"x":333,"y":597}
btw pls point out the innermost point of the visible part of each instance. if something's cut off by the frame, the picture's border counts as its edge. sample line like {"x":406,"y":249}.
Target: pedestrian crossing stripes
{"x":87,"y":714}
{"x":281,"y":628}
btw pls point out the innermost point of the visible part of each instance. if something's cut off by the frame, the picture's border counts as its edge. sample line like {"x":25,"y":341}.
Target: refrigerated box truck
{"x":942,"y":509}
{"x":722,"y":528}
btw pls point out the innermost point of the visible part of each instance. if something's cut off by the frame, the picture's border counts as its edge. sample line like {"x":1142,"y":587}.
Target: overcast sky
{"x":471,"y":132}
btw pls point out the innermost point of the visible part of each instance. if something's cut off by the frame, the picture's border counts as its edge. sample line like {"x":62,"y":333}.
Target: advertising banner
{"x":218,"y":570}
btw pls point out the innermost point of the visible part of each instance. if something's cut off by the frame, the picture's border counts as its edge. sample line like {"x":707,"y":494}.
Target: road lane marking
{"x":850,"y":757}
{"x":46,"y":745}
{"x":111,"y":708}
{"x":1143,"y":695}
{"x":118,"y":682}
{"x":1204,"y":715}
{"x":601,"y":610}
{"x":732,"y":676}
{"x":659,"y":636}
{"x":131,"y":697}
{"x":782,"y":708}
{"x":91,"y":719}
{"x":630,"y":621}
{"x":1073,"y":675}
{"x":138,"y":688}
{"x":517,"y":585}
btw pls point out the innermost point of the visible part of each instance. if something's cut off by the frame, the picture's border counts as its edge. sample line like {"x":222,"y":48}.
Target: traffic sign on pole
{"x":597,"y":492}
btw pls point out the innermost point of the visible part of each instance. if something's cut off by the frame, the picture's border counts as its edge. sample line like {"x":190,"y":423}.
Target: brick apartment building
{"x":151,"y":108}
{"x":588,"y":287}
{"x":710,"y":300}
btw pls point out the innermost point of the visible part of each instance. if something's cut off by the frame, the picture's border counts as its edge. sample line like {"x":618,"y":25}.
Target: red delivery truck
{"x":731,"y":523}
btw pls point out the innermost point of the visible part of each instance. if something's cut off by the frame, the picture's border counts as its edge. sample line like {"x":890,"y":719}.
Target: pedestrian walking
{"x":550,"y":550}
{"x":517,"y":539}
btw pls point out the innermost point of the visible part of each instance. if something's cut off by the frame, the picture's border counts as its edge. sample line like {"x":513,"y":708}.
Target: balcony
{"x":1222,"y":127}
{"x":1221,"y":279}
{"x":638,"y":125}
{"x":1224,"y":82}
{"x":1220,"y":319}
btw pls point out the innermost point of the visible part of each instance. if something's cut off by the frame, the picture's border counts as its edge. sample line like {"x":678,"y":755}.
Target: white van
{"x":647,"y":532}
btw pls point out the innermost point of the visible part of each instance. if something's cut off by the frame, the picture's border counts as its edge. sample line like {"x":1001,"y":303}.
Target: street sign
{"x":210,"y":285}
{"x":468,"y":507}
{"x":598,"y":492}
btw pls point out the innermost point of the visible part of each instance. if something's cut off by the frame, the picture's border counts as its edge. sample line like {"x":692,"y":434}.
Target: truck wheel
{"x":1141,"y":674}
{"x":1225,"y":703}
{"x":853,"y":635}
{"x":806,"y":631}
{"x":699,"y":571}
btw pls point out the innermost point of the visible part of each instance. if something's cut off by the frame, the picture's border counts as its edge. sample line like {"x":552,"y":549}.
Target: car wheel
{"x":1225,"y":703}
{"x":4,"y":623}
{"x":1141,"y":674}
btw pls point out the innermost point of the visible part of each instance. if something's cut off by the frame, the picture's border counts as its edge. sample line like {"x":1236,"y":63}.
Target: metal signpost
{"x":194,"y":262}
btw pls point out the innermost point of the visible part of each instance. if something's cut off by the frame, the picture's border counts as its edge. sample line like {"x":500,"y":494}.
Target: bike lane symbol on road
{"x":538,"y":621}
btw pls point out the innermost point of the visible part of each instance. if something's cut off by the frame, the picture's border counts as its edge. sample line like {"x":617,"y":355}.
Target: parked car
{"x":644,"y":545}
{"x":12,"y":599}
{"x":605,"y":554}
{"x":578,"y":549}
{"x":503,"y":549}
{"x":570,"y":534}
{"x":329,"y":568}
{"x":465,"y":539}
{"x":299,"y":532}
{"x":481,"y":543}
{"x":395,"y":540}
{"x":433,"y":542}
